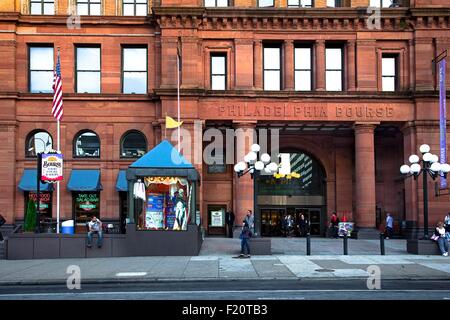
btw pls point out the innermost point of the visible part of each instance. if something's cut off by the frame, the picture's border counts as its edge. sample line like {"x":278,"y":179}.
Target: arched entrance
{"x":306,"y":196}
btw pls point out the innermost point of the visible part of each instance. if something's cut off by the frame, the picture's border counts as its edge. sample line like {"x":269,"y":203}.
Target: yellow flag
{"x":172,"y":123}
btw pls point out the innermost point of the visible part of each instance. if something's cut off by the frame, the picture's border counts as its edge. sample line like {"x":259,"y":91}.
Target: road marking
{"x":131,"y":274}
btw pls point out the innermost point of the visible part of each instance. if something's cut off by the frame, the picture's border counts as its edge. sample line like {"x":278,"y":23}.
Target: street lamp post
{"x":430,"y":166}
{"x":254,"y":165}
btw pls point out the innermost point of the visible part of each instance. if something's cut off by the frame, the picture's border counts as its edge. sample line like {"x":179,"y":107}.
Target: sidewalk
{"x":216,"y":262}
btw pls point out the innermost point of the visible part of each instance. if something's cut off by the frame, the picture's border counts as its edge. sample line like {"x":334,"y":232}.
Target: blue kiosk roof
{"x":163,"y":160}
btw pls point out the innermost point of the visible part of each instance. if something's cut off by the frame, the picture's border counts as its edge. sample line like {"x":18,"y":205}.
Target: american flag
{"x":57,"y":108}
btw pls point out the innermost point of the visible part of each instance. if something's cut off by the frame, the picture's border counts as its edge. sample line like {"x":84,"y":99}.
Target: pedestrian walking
{"x":334,"y":225}
{"x":2,"y":222}
{"x":302,"y":226}
{"x":389,"y":226}
{"x":439,"y":237}
{"x":245,"y":236}
{"x":229,"y":220}
{"x":447,"y":222}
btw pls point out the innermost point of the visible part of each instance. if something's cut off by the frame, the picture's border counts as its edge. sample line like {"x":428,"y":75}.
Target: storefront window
{"x":86,"y":205}
{"x":167,"y":205}
{"x":45,"y":203}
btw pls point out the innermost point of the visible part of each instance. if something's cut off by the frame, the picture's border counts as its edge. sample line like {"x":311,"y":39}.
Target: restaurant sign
{"x":52,"y":167}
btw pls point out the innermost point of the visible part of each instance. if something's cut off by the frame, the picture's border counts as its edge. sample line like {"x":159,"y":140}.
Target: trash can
{"x":67,"y":227}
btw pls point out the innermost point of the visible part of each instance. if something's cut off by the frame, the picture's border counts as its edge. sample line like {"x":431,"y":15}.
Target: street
{"x":344,"y":289}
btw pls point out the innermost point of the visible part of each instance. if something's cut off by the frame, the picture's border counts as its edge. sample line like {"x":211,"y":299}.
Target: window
{"x":216,"y":3}
{"x":272,"y":68}
{"x":389,"y":72}
{"x":384,"y":3}
{"x":45,"y":203}
{"x":334,"y":3}
{"x":42,"y":7}
{"x":87,"y":145}
{"x":333,"y":62}
{"x":303,"y":72}
{"x":89,"y":7}
{"x":218,"y":71}
{"x":265,"y":3}
{"x":300,"y":3}
{"x":86,"y":205}
{"x":134,"y":145}
{"x":134,"y":70}
{"x":41,"y":69}
{"x":88,"y":70}
{"x":135,"y":7}
{"x":37,"y":142}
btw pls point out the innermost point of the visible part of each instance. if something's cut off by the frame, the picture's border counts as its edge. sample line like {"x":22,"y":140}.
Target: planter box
{"x":422,"y":247}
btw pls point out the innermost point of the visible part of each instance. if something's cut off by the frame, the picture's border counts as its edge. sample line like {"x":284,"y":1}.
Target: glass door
{"x":271,"y":219}
{"x":312,"y":216}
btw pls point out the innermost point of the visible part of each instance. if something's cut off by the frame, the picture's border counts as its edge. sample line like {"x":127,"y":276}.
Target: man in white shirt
{"x":95,"y":226}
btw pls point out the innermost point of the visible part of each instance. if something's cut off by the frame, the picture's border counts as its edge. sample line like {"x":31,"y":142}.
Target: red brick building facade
{"x":358,"y":133}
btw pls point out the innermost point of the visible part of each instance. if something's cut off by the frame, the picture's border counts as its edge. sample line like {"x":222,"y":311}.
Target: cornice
{"x":85,"y":20}
{"x":332,"y":19}
{"x":357,"y":95}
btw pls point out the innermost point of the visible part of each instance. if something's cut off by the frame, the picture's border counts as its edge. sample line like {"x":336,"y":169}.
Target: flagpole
{"x":58,"y":146}
{"x":57,"y":183}
{"x":178,"y":98}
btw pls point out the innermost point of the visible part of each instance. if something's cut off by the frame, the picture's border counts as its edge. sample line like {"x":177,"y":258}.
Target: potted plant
{"x":30,"y":218}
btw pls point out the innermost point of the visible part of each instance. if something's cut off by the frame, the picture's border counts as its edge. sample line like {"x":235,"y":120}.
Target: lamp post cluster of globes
{"x":428,"y":165}
{"x":251,"y":164}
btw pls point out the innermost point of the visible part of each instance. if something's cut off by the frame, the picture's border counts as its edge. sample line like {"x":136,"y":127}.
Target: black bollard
{"x":382,"y":244}
{"x":308,"y":244}
{"x":345,"y":244}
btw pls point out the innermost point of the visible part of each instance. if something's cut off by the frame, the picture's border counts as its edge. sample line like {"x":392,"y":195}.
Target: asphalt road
{"x":348,"y":289}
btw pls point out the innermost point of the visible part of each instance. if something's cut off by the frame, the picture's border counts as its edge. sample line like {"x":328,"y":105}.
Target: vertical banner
{"x":443,"y":116}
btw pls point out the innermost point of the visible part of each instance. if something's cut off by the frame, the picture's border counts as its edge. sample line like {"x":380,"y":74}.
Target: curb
{"x":162,"y":280}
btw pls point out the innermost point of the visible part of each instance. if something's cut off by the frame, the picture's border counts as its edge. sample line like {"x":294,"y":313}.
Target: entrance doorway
{"x":282,"y":196}
{"x":272,"y":220}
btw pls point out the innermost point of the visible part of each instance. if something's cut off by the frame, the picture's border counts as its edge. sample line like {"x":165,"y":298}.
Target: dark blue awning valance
{"x":29,"y":182}
{"x":84,"y":180}
{"x":122,"y":183}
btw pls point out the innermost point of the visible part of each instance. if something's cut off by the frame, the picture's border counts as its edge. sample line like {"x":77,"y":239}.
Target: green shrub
{"x":30,"y":219}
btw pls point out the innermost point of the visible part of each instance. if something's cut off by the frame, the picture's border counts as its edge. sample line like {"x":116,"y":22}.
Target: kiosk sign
{"x":52,"y":167}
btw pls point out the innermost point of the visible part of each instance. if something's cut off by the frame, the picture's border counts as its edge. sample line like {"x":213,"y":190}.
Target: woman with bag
{"x":246,"y":234}
{"x":439,"y":236}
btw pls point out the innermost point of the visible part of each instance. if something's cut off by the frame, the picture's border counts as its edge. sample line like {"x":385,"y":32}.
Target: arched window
{"x":86,"y":145}
{"x":38,"y":141}
{"x":134,"y":145}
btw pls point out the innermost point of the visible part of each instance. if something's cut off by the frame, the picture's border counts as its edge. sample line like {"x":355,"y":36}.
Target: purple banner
{"x":443,"y":116}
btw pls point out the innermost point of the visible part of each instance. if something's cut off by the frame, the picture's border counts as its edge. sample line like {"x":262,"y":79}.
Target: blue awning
{"x":29,"y":182}
{"x":84,"y":180}
{"x":122,"y":183}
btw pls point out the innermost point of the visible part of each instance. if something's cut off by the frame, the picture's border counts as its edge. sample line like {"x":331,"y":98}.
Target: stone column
{"x":169,"y":62}
{"x":244,"y":63}
{"x":289,"y":65}
{"x":365,"y":175}
{"x":243,"y":186}
{"x":351,"y":65}
{"x":424,"y":75}
{"x":257,"y":60}
{"x":320,"y":65}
